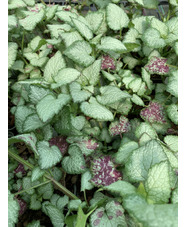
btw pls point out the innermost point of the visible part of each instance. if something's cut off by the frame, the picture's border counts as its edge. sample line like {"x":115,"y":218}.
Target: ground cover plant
{"x":93,"y":114}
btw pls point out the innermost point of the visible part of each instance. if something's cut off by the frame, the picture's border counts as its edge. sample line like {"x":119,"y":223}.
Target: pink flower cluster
{"x":154,"y":113}
{"x":117,"y":128}
{"x":60,"y":142}
{"x":104,"y":171}
{"x":157,"y":66}
{"x":108,"y":63}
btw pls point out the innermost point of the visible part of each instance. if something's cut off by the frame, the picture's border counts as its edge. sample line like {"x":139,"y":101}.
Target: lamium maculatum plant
{"x":93,"y":99}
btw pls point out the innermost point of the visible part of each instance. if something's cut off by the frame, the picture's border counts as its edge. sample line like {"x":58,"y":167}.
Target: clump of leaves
{"x":95,"y":100}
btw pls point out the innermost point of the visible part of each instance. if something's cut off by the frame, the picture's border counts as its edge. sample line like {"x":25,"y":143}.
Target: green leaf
{"x":123,"y":106}
{"x":94,"y":19}
{"x":53,"y":66}
{"x":145,"y":128}
{"x":172,"y":111}
{"x":50,"y":11}
{"x":160,"y":26}
{"x":97,"y":111}
{"x":70,"y":221}
{"x":64,"y":125}
{"x":57,"y":29}
{"x":70,"y":37}
{"x":37,"y":93}
{"x":132,"y":62}
{"x":29,"y":139}
{"x":37,"y":173}
{"x":135,"y":84}
{"x":151,"y":4}
{"x":78,"y":122}
{"x":142,"y":159}
{"x":77,"y":94}
{"x":157,"y":185}
{"x":111,"y":94}
{"x":59,"y":201}
{"x":13,"y":210}
{"x":55,"y":215}
{"x":12,"y":53}
{"x":13,"y":4}
{"x":172,"y":85}
{"x":111,"y":44}
{"x":173,"y":159}
{"x":46,"y":191}
{"x":27,"y":183}
{"x":66,"y":76}
{"x":32,"y":122}
{"x":32,"y":19}
{"x":152,"y":38}
{"x":110,"y":215}
{"x":35,"y":204}
{"x":92,"y":73}
{"x":66,"y":16}
{"x":21,"y":113}
{"x":49,"y":106}
{"x":79,"y":52}
{"x":48,"y":156}
{"x":102,"y":4}
{"x":137,"y":100}
{"x":121,"y":187}
{"x":174,"y":198}
{"x":116,"y":17}
{"x":83,"y":29}
{"x":12,"y":22}
{"x":125,"y":151}
{"x":172,"y":25}
{"x":34,"y":224}
{"x":74,"y":163}
{"x":172,"y":142}
{"x":165,"y":215}
{"x":141,"y":23}
{"x":147,"y":79}
{"x":85,"y":181}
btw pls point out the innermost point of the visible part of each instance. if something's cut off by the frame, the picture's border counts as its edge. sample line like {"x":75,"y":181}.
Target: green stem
{"x":43,"y":2}
{"x":30,"y":166}
{"x":22,"y":43}
{"x":85,"y":197}
{"x":120,"y":33}
{"x":36,"y":186}
{"x":172,"y":66}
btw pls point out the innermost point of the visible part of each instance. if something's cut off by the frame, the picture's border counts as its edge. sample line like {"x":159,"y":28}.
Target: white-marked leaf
{"x":56,"y":216}
{"x":13,"y":4}
{"x":13,"y":210}
{"x":80,"y":52}
{"x":50,"y":11}
{"x":37,"y":173}
{"x":92,"y":72}
{"x":116,"y":17}
{"x":142,"y":159}
{"x":172,"y":111}
{"x":32,"y":122}
{"x":83,"y":29}
{"x":74,"y":163}
{"x":125,"y":151}
{"x":49,"y":106}
{"x":31,"y":20}
{"x":12,"y":22}
{"x":70,"y":37}
{"x":152,"y":38}
{"x":66,"y":76}
{"x":123,"y":106}
{"x":66,"y":16}
{"x":102,"y":4}
{"x":111,"y":94}
{"x":57,"y":29}
{"x":172,"y":142}
{"x":172,"y":85}
{"x":111,"y":44}
{"x":147,"y":79}
{"x":94,"y":19}
{"x":53,"y":66}
{"x":12,"y":53}
{"x":36,"y":93}
{"x":160,"y":26}
{"x":77,"y":94}
{"x":97,"y":111}
{"x":157,"y":185}
{"x":130,"y":61}
{"x":85,"y":181}
{"x":48,"y":156}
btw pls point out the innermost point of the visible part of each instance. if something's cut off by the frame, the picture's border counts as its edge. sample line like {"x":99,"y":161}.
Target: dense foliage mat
{"x":94,"y":114}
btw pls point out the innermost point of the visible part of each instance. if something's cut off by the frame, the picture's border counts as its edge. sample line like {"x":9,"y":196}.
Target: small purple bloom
{"x":157,"y":65}
{"x":154,"y":113}
{"x":117,"y":128}
{"x":108,"y":63}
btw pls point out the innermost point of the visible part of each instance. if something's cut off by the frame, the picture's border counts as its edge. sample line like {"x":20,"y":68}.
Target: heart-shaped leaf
{"x":48,"y":156}
{"x":74,"y":163}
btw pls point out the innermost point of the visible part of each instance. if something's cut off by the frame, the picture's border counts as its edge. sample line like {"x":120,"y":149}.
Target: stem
{"x":30,"y":166}
{"x":85,"y":197}
{"x":36,"y":186}
{"x":172,"y":66}
{"x":120,"y":33}
{"x":22,"y":43}
{"x":43,"y":2}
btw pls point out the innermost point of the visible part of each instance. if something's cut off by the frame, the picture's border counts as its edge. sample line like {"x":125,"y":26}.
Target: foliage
{"x":94,"y":96}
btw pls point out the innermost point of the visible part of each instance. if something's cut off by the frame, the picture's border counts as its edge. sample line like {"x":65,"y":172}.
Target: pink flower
{"x":108,"y":63}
